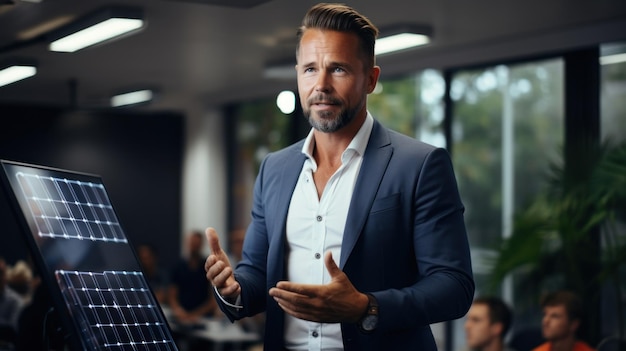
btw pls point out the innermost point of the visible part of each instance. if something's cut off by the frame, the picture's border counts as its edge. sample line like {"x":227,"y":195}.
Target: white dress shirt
{"x":315,"y":226}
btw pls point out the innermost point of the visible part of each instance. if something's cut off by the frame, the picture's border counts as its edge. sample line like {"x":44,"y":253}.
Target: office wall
{"x":139,"y":156}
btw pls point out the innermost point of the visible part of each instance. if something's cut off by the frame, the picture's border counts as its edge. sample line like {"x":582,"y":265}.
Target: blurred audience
{"x":10,"y":308}
{"x":189,"y":294}
{"x":235,"y":245}
{"x":11,"y":302}
{"x":487,"y":322}
{"x":562,"y":316}
{"x":149,"y":260}
{"x":20,"y":279}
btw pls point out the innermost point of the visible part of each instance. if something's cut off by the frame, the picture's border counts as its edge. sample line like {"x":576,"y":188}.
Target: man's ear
{"x":496,"y":329}
{"x":373,"y":75}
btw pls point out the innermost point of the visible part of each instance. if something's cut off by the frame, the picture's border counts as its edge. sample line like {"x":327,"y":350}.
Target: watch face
{"x":369,"y":322}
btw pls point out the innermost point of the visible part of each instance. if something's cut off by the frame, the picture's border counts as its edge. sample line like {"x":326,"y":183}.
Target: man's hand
{"x":218,"y":269}
{"x":335,"y":302}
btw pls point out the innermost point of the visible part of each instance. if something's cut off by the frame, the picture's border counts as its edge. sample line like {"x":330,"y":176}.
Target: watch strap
{"x":368,"y":322}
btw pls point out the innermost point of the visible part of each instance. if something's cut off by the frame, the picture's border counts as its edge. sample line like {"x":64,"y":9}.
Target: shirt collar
{"x":358,"y":143}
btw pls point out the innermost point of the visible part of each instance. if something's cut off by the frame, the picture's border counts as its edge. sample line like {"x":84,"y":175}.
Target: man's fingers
{"x":230,"y":290}
{"x":214,"y":241}
{"x":331,"y":266}
{"x":221,"y":276}
{"x":285,"y":287}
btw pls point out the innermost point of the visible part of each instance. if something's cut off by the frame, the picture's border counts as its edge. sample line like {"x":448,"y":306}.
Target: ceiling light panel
{"x":97,"y":28}
{"x":132,"y":98}
{"x":402,"y":36}
{"x":16,"y":73}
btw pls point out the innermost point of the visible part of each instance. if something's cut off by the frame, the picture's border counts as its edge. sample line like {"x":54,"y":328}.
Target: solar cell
{"x":77,"y":240}
{"x":116,"y":308}
{"x":70,"y":209}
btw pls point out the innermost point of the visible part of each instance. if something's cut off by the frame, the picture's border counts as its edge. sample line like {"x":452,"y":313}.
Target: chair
{"x":526,"y":339}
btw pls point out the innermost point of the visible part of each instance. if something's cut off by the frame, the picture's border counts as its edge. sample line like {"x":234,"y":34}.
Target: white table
{"x":219,"y":332}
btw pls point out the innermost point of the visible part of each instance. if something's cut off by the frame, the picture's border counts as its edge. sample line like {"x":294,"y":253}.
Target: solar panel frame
{"x":87,"y":262}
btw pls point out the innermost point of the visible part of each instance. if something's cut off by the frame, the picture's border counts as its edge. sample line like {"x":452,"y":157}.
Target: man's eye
{"x":339,"y":70}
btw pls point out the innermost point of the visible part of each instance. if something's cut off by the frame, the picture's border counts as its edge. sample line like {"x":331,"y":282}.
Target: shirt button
{"x":317,"y":255}
{"x":319,"y":218}
{"x":315,"y":334}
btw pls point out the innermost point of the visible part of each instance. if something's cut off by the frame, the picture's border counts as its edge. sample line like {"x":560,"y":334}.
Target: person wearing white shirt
{"x":357,"y":239}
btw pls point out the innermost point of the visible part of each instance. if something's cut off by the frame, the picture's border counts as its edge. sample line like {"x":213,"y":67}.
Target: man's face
{"x":332,"y":81}
{"x":146,"y":257}
{"x":556,"y":324}
{"x":479,"y":331}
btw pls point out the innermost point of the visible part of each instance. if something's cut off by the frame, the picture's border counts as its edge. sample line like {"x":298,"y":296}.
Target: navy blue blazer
{"x":404,"y":241}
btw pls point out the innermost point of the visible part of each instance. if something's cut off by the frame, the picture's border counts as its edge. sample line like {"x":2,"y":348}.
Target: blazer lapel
{"x":291,"y":168}
{"x":375,"y":161}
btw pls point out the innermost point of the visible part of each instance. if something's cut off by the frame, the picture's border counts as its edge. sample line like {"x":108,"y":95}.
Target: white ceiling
{"x":197,"y":53}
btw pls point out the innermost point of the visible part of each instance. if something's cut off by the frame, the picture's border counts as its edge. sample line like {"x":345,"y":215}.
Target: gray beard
{"x":326,"y":123}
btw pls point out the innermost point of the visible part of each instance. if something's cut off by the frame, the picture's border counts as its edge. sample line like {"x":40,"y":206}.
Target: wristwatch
{"x":369,"y":321}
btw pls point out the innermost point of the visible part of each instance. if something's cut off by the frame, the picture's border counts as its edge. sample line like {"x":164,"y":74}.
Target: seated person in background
{"x":487,"y":323}
{"x":149,"y":262}
{"x":10,"y":301}
{"x":189,"y":295}
{"x":562,"y":315}
{"x":20,"y":279}
{"x":235,"y":245}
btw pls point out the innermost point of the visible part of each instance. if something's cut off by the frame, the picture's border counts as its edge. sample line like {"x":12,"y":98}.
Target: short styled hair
{"x":570,"y":300}
{"x":499,"y":312}
{"x":342,"y":18}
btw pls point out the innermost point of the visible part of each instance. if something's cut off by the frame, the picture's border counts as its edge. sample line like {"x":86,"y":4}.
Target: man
{"x":487,"y":323}
{"x":562,"y":315}
{"x":189,"y":295}
{"x":235,"y":247}
{"x":149,"y":260}
{"x":357,"y":239}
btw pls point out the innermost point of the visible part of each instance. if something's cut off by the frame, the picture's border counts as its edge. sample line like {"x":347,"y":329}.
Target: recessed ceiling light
{"x":132,"y":98}
{"x":16,"y":73}
{"x":99,"y":27}
{"x":402,"y":37}
{"x":398,"y":42}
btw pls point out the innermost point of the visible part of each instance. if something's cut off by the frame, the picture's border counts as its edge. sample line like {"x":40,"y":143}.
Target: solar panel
{"x":88,"y":264}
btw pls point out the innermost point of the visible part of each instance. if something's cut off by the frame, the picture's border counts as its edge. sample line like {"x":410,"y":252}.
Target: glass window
{"x":258,"y":129}
{"x":613,"y":92}
{"x":412,"y":105}
{"x":613,"y":130}
{"x":507,"y":125}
